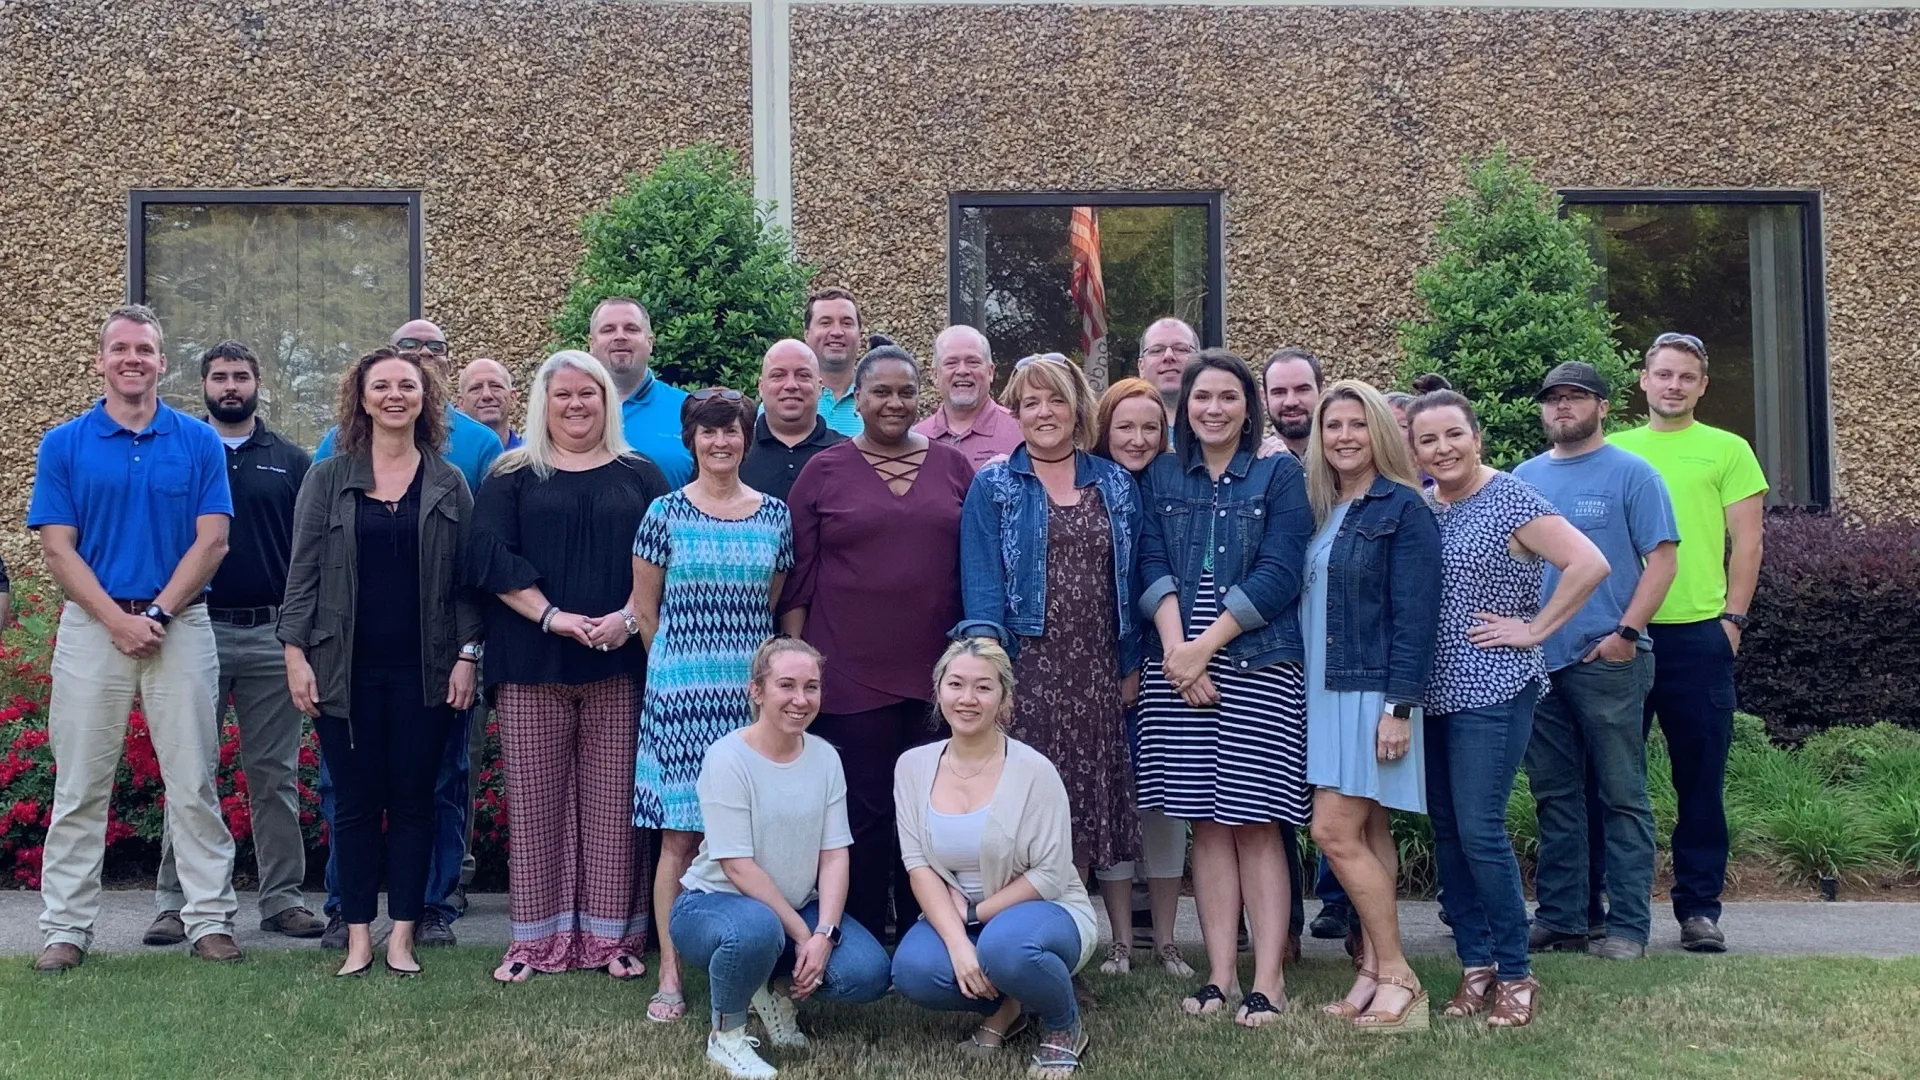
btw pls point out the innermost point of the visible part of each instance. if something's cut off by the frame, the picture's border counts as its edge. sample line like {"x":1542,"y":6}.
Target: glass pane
{"x":1734,"y":274}
{"x":1015,"y":272}
{"x":309,"y":287}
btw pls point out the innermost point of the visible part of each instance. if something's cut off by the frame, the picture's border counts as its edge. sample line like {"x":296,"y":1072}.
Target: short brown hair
{"x":715,"y":412}
{"x":593,"y":319}
{"x":134,"y":313}
{"x":806,"y":316}
{"x":355,"y":427}
{"x":1124,"y":390}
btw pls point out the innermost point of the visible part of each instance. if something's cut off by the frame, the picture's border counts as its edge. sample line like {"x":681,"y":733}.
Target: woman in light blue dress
{"x":1368,"y":613}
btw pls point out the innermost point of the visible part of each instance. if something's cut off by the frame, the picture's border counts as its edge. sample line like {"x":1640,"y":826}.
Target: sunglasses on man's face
{"x":411,"y":344}
{"x":716,"y":392}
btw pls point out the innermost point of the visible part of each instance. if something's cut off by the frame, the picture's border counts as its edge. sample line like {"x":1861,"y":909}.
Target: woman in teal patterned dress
{"x":708,"y":563}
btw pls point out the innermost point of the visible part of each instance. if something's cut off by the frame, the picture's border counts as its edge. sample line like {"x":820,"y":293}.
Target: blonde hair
{"x":761,"y":668}
{"x":536,"y":448}
{"x":1391,"y":458}
{"x":985,"y":649}
{"x":1063,"y":378}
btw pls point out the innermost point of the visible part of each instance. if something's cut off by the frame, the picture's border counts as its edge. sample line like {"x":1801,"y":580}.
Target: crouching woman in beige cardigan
{"x":985,"y":835}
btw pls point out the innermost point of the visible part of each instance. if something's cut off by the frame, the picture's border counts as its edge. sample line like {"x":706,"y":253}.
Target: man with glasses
{"x":790,"y":429}
{"x":620,"y":336}
{"x":1166,"y":349}
{"x":471,"y":448}
{"x":968,"y":419}
{"x":1588,"y":753}
{"x":1718,"y":491}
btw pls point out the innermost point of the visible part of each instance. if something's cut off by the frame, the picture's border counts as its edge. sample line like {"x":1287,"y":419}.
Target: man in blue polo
{"x":620,"y":336}
{"x":132,"y":507}
{"x":1588,"y":729}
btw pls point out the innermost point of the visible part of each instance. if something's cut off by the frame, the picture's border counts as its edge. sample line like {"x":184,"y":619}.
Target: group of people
{"x":985,"y":658}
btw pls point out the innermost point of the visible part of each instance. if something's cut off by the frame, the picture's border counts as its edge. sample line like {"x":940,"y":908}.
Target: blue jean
{"x":740,"y":942}
{"x":1693,"y":696}
{"x":451,"y":807}
{"x":1472,"y":757}
{"x":1587,"y":747}
{"x":1028,"y":952}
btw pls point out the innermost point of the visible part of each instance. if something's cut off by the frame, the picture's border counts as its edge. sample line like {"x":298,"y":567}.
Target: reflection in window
{"x":1737,"y":275}
{"x":309,"y":286}
{"x":1014,"y":274}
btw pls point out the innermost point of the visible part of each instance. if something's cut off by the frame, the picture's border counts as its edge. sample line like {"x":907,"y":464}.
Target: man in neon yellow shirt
{"x":1718,"y":491}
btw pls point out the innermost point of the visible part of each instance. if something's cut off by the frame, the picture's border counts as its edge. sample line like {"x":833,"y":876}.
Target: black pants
{"x":869,"y":744}
{"x":383,"y":764}
{"x":1694,"y":699}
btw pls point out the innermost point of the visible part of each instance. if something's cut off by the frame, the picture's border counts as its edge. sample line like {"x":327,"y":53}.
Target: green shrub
{"x":1843,"y":754}
{"x":1830,"y":834}
{"x":1891,"y":774}
{"x":1898,"y":819}
{"x":1750,"y":731}
{"x":1413,"y":839}
{"x":1523,"y":821}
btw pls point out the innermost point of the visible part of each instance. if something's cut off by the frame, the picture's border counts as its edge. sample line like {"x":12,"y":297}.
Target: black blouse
{"x":572,"y":535}
{"x":387,"y":630}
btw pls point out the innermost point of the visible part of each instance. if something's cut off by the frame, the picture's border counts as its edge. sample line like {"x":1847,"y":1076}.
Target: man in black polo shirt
{"x":790,"y":429}
{"x":264,"y":473}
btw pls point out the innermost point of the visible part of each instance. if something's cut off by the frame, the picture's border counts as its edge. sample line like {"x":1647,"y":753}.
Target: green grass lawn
{"x":280,"y":1016}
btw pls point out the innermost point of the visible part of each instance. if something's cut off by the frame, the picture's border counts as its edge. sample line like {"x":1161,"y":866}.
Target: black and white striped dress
{"x":1242,"y":762}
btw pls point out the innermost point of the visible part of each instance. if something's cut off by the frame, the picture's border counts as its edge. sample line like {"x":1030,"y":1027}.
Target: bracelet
{"x":546,"y":617}
{"x":463,"y":658}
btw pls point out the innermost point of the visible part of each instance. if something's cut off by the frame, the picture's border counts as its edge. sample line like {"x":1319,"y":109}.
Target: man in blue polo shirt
{"x":620,"y":336}
{"x":131,"y":503}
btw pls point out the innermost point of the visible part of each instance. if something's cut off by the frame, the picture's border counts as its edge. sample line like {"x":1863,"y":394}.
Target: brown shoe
{"x":59,"y":958}
{"x":218,"y":948}
{"x":295,"y":922}
{"x":167,"y":929}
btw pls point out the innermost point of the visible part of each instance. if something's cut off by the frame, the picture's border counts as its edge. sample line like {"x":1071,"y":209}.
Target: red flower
{"x":30,"y":739}
{"x":26,"y":867}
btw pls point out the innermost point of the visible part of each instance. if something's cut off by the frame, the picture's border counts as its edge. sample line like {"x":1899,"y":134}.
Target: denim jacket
{"x":1383,"y":595}
{"x":1003,"y":550}
{"x":1257,"y":519}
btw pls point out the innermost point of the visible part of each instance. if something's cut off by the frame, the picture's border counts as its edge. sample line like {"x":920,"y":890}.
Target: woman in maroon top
{"x":875,"y":587}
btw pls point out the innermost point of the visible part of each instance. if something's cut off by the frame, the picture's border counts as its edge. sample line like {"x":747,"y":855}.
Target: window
{"x":1047,"y":273}
{"x":310,"y":280}
{"x":1741,"y":270}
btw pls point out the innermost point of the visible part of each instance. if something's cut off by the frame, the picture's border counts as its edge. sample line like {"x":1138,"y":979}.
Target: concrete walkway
{"x":1756,"y":928}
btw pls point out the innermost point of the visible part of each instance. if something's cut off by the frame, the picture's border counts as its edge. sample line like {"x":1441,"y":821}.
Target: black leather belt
{"x":244,"y":617}
{"x":139,"y":607}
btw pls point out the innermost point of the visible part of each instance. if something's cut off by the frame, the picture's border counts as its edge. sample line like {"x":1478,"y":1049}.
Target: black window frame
{"x":1212,"y":335}
{"x":138,"y":199}
{"x":1813,"y":315}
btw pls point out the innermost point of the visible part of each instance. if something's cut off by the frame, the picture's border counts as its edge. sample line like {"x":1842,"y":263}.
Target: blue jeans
{"x":1471,"y":760}
{"x":451,"y":807}
{"x":1028,"y":952}
{"x":1694,"y":698}
{"x":740,"y":942}
{"x":1588,"y":726}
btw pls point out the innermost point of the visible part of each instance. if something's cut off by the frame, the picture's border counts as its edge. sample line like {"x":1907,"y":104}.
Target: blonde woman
{"x":1368,"y":615}
{"x":553,"y":526}
{"x":986,"y":836}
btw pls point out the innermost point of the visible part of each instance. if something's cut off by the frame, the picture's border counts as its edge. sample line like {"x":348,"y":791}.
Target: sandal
{"x":513,"y":971}
{"x":1413,"y":1016}
{"x":1119,"y":959}
{"x":1059,"y":1054}
{"x":1205,"y":1001}
{"x":1001,"y":1038}
{"x":1472,"y":998}
{"x":1347,"y":1010}
{"x":1508,"y":1010}
{"x":626,"y":966}
{"x":1173,"y":962}
{"x":667,"y":1007}
{"x":1256,"y":1008}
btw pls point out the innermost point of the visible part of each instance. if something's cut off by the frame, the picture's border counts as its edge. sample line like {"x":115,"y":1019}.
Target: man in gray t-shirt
{"x":1587,"y":758}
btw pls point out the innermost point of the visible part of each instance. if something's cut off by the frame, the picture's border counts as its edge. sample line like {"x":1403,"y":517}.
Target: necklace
{"x":955,"y":769}
{"x":1051,"y":460}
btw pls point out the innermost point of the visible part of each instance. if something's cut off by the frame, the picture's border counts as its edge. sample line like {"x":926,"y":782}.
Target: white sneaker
{"x":780,"y":1017}
{"x":733,"y":1052}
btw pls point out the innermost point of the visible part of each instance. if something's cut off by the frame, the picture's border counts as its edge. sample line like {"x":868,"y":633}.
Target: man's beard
{"x":1294,"y":430}
{"x":233,"y":414}
{"x":1574,"y":431}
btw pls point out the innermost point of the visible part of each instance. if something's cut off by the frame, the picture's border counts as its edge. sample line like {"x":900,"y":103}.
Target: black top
{"x":572,"y":535}
{"x":386,"y":631}
{"x":264,"y":474}
{"x":772,"y":466}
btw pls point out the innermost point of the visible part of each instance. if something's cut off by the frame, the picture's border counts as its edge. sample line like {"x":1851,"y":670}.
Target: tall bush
{"x":1835,"y":638}
{"x":1510,"y":293}
{"x":689,"y":241}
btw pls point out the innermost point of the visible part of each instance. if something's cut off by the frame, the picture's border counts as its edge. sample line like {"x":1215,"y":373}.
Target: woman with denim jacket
{"x":1222,"y":705}
{"x":1488,"y":671}
{"x":1048,"y":542}
{"x":1368,"y":616}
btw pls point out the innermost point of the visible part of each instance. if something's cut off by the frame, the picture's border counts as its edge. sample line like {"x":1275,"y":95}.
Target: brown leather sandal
{"x":1508,"y":1010}
{"x":1344,"y":1009}
{"x":1473,"y":996}
{"x":1413,"y":1016}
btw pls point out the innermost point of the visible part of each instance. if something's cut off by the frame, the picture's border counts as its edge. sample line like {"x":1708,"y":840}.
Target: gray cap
{"x":1576,"y":374}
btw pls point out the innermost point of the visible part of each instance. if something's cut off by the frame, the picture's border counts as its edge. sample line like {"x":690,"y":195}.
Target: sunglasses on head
{"x":716,"y":392}
{"x":411,"y":344}
{"x":1686,"y":341}
{"x":1025,"y":360}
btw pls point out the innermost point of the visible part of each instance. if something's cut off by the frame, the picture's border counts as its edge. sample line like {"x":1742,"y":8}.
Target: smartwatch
{"x":832,"y":932}
{"x":1402,"y":712}
{"x":157,"y":614}
{"x":1627,"y":633}
{"x":1736,"y":619}
{"x":973,"y":916}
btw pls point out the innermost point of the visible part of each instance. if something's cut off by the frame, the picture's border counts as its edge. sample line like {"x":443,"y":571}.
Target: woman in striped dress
{"x":1223,"y":704}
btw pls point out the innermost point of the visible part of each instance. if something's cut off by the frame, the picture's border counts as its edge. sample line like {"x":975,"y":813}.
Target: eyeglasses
{"x":1685,"y":341}
{"x":716,"y":392}
{"x":1025,"y":360}
{"x":1158,"y":351}
{"x":413,"y":344}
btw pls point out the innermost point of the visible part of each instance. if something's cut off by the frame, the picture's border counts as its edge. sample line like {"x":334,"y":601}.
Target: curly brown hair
{"x":355,"y":426}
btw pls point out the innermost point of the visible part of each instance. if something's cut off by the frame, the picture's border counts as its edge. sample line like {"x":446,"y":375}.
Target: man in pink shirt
{"x":968,"y":419}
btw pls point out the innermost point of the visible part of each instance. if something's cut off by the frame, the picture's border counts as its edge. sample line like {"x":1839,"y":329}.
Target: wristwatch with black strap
{"x":1736,"y":618}
{"x":1627,"y":633}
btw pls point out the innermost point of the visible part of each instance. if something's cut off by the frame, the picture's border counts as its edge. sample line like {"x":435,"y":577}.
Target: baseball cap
{"x":1576,"y":374}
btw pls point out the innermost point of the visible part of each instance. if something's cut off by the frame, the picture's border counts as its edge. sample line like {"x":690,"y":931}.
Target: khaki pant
{"x":93,"y":688}
{"x":253,"y":669}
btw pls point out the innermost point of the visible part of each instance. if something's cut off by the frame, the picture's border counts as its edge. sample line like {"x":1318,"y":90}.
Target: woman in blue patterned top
{"x":1488,"y":672}
{"x":708,"y":563}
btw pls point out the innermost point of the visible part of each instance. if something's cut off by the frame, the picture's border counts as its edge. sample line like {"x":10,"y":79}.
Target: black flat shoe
{"x":402,"y":972}
{"x":356,"y":972}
